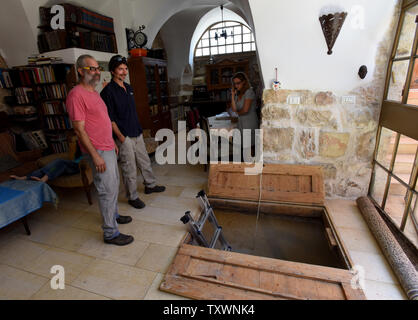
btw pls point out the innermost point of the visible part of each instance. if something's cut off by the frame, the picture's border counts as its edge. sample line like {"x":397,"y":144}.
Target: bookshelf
{"x":84,"y":29}
{"x":149,"y":80}
{"x":39,"y":93}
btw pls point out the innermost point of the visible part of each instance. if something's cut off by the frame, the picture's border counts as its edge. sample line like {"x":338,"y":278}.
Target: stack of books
{"x":38,"y":59}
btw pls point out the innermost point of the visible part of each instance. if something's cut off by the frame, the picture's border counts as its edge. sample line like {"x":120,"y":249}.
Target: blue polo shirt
{"x":121,"y":108}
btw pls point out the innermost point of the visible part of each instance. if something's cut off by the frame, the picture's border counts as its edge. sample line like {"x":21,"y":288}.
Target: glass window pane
{"x":230,"y":40}
{"x":198,"y":52}
{"x":379,"y":179}
{"x":221,"y":41}
{"x":213,"y":50}
{"x":246,"y":38}
{"x":221,"y":50}
{"x":212,"y":33}
{"x":253,"y":46}
{"x":205,"y":43}
{"x":206,"y":51}
{"x":237,"y":30}
{"x":245,"y":29}
{"x":413,"y":91}
{"x":230,"y":49}
{"x":238,"y":48}
{"x":406,"y":38}
{"x":385,"y":148}
{"x":396,"y":201}
{"x":230,"y":23}
{"x":205,"y":35}
{"x":412,"y":222}
{"x":397,"y":80}
{"x":238,"y":38}
{"x":199,"y":44}
{"x":246,"y":47}
{"x":405,"y":158}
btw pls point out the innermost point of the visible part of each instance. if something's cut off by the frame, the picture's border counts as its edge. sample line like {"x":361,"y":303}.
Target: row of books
{"x":61,"y":122}
{"x":59,"y":147}
{"x":98,"y":41}
{"x":54,"y":91}
{"x":52,"y":40}
{"x":35,"y":140}
{"x":5,"y":79}
{"x":80,"y":16}
{"x":24,"y":95}
{"x":55,"y":107}
{"x":35,"y":75}
{"x":29,"y":76}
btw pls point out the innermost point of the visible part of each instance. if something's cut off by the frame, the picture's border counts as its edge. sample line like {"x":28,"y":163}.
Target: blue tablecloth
{"x":18,"y":198}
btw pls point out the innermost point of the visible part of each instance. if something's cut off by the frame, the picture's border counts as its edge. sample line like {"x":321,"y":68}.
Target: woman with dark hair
{"x":244,"y":104}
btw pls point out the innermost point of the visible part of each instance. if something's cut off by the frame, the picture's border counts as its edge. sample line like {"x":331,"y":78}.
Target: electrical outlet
{"x":348,"y":99}
{"x":293,"y":100}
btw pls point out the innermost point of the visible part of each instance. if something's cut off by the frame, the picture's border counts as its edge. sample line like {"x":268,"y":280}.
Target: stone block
{"x":333,"y":145}
{"x":278,"y":139}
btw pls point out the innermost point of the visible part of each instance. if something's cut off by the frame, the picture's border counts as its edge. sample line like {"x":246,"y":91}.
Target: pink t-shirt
{"x":83,"y":105}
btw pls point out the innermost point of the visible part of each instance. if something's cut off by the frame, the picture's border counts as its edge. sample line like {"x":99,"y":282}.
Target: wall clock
{"x":140,"y":38}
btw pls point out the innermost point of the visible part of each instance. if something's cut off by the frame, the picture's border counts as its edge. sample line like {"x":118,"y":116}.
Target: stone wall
{"x":323,"y":130}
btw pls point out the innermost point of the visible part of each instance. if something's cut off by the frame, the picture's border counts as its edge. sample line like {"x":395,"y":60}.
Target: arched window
{"x":239,"y":38}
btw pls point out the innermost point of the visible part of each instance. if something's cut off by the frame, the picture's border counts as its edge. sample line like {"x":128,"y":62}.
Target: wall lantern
{"x":331,"y":25}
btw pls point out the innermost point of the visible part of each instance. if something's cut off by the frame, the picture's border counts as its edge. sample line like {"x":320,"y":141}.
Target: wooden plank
{"x":196,"y":289}
{"x":330,"y":237}
{"x":353,"y":294}
{"x":205,"y":276}
{"x":267,"y":264}
{"x":267,"y":207}
{"x":287,"y":183}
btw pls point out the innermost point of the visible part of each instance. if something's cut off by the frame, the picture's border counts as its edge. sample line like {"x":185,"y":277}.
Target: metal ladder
{"x":196,"y":227}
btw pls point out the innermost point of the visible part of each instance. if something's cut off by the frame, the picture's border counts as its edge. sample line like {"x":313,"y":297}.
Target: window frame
{"x":399,"y":117}
{"x":233,"y":44}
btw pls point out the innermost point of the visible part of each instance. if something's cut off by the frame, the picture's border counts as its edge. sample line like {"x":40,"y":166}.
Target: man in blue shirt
{"x":127,"y":132}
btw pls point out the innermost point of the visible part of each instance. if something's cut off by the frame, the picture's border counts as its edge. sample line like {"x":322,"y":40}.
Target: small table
{"x":222,"y":121}
{"x":18,"y":198}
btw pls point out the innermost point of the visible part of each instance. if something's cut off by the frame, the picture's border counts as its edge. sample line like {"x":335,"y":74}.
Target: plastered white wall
{"x":289,"y":37}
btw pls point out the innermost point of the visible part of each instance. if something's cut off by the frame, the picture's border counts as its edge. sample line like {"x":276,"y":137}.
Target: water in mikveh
{"x":278,"y":236}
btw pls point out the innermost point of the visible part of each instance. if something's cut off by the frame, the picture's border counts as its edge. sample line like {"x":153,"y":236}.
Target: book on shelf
{"x":54,"y":107}
{"x":58,"y":123}
{"x":53,"y":91}
{"x":34,"y":75}
{"x":24,"y":95}
{"x":5,"y":79}
{"x":25,"y":110}
{"x":37,"y":59}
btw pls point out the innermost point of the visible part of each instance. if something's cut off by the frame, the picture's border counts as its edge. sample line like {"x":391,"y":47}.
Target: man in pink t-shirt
{"x":92,"y":125}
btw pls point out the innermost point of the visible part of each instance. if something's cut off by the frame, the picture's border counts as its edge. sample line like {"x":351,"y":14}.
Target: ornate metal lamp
{"x":223,"y":34}
{"x":331,"y":25}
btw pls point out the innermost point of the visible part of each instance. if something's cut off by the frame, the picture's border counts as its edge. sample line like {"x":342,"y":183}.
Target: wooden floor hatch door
{"x":202,"y":273}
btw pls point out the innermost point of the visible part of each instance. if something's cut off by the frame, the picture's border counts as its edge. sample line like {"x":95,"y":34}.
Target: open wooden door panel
{"x":285,"y":183}
{"x":202,"y":273}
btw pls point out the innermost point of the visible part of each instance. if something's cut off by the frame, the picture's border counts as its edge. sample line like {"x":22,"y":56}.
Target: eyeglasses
{"x":94,"y":69}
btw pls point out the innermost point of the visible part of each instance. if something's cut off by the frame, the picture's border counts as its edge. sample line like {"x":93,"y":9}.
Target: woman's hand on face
{"x":233,"y":92}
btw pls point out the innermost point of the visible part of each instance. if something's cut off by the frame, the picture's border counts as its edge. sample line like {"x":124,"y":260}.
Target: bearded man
{"x":93,"y":128}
